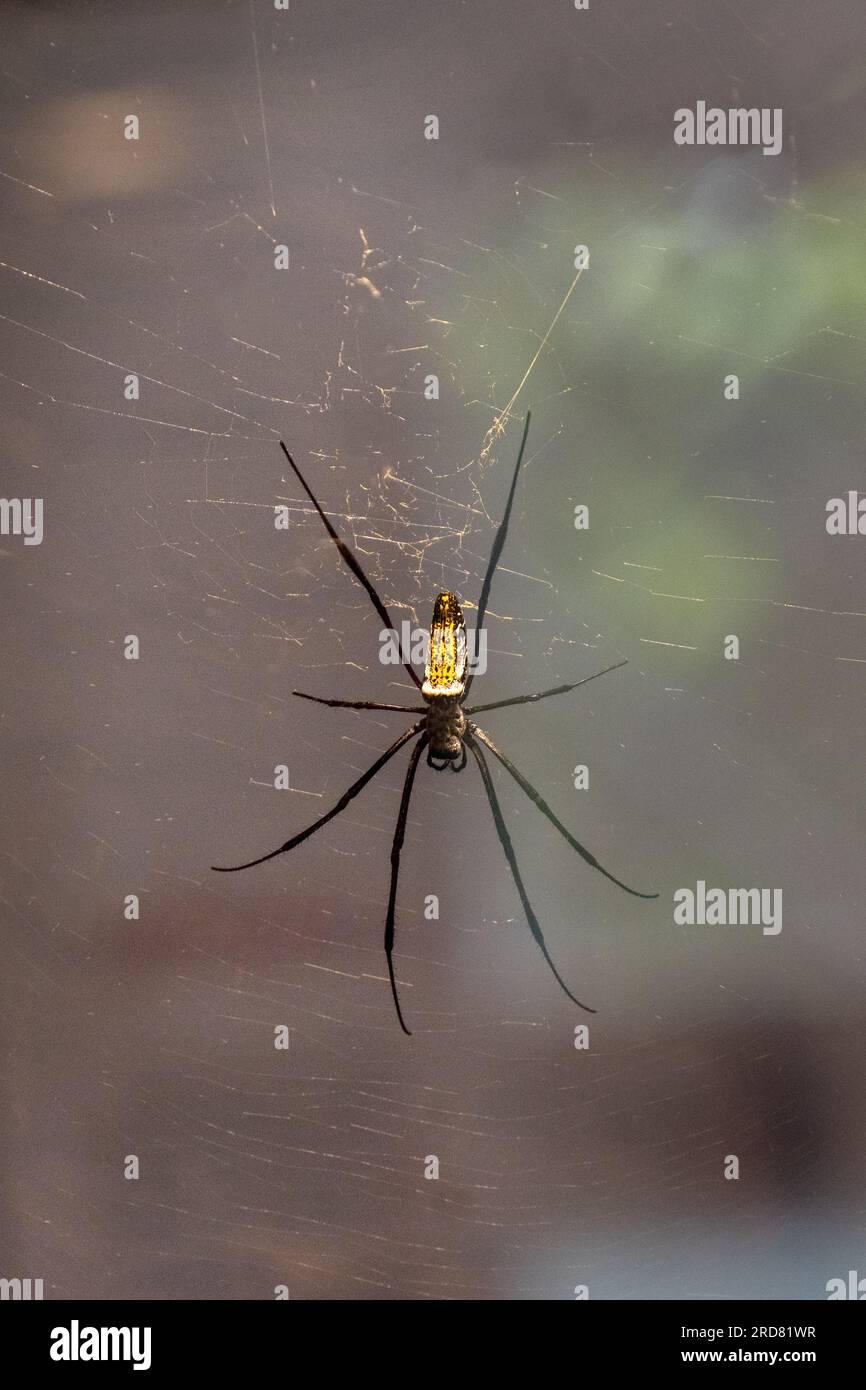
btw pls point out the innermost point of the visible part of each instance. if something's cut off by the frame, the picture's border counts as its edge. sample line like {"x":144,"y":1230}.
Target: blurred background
{"x":409,"y":257}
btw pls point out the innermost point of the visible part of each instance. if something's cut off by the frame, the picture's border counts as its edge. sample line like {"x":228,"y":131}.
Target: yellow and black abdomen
{"x":445,"y":672}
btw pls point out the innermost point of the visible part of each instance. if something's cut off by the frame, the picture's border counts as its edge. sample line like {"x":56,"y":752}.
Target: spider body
{"x":445,"y":685}
{"x":445,"y":724}
{"x":446,"y":733}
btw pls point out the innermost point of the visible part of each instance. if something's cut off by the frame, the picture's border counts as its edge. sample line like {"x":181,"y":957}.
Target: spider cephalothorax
{"x":445,"y":685}
{"x":445,"y":732}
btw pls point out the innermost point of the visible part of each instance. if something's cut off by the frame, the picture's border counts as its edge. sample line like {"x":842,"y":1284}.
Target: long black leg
{"x":340,"y":806}
{"x":542,"y":694}
{"x":554,"y":820}
{"x":350,"y":560}
{"x":360,"y":704}
{"x":505,"y":841}
{"x":396,"y":847}
{"x":498,"y":544}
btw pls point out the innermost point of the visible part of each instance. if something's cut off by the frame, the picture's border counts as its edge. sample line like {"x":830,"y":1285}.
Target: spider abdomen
{"x":445,"y":672}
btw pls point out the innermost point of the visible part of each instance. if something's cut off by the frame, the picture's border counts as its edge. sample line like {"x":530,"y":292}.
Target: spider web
{"x":411,"y":258}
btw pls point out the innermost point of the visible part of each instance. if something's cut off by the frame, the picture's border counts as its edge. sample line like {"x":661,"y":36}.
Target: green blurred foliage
{"x":712,"y":278}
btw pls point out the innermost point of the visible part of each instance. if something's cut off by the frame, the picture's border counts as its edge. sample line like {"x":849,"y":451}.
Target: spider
{"x":445,"y":732}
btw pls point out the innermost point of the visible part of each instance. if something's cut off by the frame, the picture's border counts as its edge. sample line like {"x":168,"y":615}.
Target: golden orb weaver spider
{"x":445,"y":732}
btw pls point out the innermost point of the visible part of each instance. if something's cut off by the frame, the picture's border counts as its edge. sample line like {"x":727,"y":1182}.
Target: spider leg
{"x":505,"y":841}
{"x":360,"y":704}
{"x":396,"y":847}
{"x":542,"y":694}
{"x":498,"y":543}
{"x":349,"y":558}
{"x":554,"y":820}
{"x":341,"y":805}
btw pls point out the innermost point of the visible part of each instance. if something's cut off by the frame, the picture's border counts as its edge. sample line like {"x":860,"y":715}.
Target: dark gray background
{"x":557,"y":1167}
